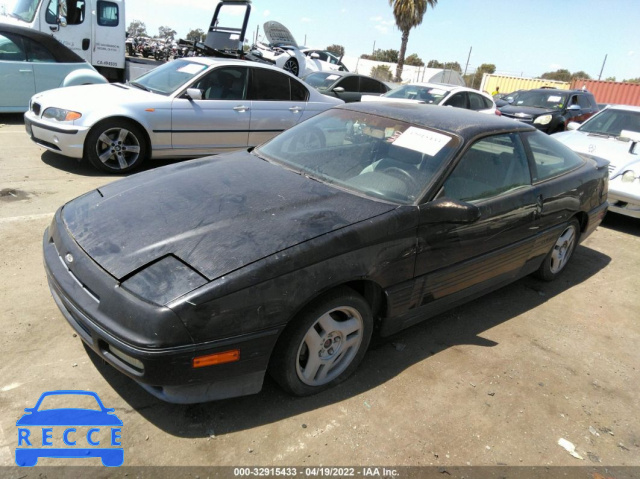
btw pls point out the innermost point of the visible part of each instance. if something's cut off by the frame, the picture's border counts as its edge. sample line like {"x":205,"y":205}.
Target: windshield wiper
{"x":139,"y":85}
{"x":600,"y":135}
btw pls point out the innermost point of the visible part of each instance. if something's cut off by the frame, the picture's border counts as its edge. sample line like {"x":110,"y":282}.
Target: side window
{"x":478,"y":102}
{"x":108,"y":14}
{"x":51,"y":15}
{"x":12,"y":49}
{"x":459,"y":100}
{"x":75,"y":12}
{"x":584,"y":103}
{"x":369,"y":85}
{"x":349,"y":83}
{"x":298,"y":91}
{"x":490,"y":167}
{"x":269,"y":85}
{"x":551,"y":157}
{"x":227,"y":83}
{"x":37,"y":52}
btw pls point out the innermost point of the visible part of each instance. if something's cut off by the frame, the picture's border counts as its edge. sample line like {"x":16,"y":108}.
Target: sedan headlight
{"x":59,"y":114}
{"x":629,"y":176}
{"x":543,"y":120}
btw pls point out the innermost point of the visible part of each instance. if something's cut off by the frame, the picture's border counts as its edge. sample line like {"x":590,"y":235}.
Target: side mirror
{"x":573,"y":125}
{"x":634,"y":137}
{"x":62,"y":21}
{"x":574,"y":108}
{"x":62,"y":13}
{"x":338,"y":89}
{"x":194,"y":94}
{"x":314,"y":55}
{"x":446,"y":210}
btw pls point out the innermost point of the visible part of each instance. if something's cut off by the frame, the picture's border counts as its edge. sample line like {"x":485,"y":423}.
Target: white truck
{"x":94,"y":29}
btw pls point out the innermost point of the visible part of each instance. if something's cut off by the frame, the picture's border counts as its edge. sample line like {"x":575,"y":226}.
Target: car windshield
{"x":611,"y":122}
{"x":370,"y":155}
{"x":541,"y":99}
{"x":321,"y":79}
{"x":25,"y":10}
{"x":167,"y":78}
{"x":427,"y":94}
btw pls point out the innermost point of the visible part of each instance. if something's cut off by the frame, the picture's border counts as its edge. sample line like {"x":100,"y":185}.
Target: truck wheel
{"x":116,"y":146}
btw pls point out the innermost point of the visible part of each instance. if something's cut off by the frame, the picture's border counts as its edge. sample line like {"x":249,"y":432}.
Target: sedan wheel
{"x":324,"y":345}
{"x":561,"y":252}
{"x":291,"y":65}
{"x":116,"y":146}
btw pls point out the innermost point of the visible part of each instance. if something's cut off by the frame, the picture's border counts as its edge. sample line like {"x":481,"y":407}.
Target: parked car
{"x":613,"y":134}
{"x":503,"y":99}
{"x":185,"y":108}
{"x":326,"y":60}
{"x":31,"y":62}
{"x":550,"y":109}
{"x":196,"y":278}
{"x":439,"y":94}
{"x":347,"y":86}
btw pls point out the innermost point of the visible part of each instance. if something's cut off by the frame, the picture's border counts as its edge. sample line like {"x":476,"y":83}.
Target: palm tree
{"x":408,"y":15}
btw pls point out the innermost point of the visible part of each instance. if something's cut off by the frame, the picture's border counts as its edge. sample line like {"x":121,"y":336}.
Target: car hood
{"x":278,"y":34}
{"x":215,"y":214}
{"x":529,"y":111}
{"x":611,"y":149}
{"x":84,"y":98}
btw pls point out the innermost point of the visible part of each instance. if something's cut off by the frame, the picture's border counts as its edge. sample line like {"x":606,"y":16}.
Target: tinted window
{"x":38,"y":53}
{"x":348,"y":83}
{"x":459,"y":100}
{"x":227,"y":83}
{"x":11,"y":49}
{"x":269,"y":85}
{"x":108,"y":15}
{"x":298,"y":91}
{"x":584,"y":102}
{"x":369,"y":85}
{"x":612,"y":121}
{"x":478,"y":102}
{"x":490,"y":167}
{"x":551,"y":157}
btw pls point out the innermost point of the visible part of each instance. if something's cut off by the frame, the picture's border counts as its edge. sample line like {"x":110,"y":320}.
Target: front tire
{"x":324,"y":344}
{"x":116,"y":146}
{"x":562,"y":251}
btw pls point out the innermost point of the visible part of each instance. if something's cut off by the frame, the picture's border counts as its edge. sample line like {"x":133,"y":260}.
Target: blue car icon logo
{"x":80,"y":432}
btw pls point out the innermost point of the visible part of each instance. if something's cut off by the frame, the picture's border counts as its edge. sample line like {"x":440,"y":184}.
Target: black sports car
{"x":197,"y":278}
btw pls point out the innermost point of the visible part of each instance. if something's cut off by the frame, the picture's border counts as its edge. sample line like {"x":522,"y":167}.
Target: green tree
{"x":337,"y":50}
{"x":610,"y":79}
{"x":408,"y":15}
{"x":196,"y":35}
{"x":137,"y":29}
{"x":381,"y":72}
{"x":414,"y":60}
{"x":561,"y":74}
{"x":580,"y":75}
{"x":633,"y":80}
{"x":167,"y":33}
{"x":379,"y":55}
{"x":475,"y":79}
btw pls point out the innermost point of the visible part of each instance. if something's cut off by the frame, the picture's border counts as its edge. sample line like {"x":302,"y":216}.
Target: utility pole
{"x":468,"y":58}
{"x":374,"y":47}
{"x":257,"y":32}
{"x":605,"y":61}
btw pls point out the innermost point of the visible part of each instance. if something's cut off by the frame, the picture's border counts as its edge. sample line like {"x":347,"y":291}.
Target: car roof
{"x":60,"y":52}
{"x":215,"y":61}
{"x":623,"y":107}
{"x":446,"y":86}
{"x":558,"y":90}
{"x":465,"y":123}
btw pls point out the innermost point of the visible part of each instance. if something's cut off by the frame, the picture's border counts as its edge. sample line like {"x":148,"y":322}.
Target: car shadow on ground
{"x":622,"y":223}
{"x":385,"y":359}
{"x":84,"y":168}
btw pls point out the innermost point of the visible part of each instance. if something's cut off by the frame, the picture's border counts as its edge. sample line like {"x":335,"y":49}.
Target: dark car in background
{"x":550,"y":109}
{"x":197,"y":278}
{"x":349,"y":87}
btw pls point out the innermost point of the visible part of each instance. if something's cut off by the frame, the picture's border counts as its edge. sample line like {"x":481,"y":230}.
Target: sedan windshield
{"x":321,"y":79}
{"x":611,"y":122}
{"x":541,"y":99}
{"x":167,"y":78}
{"x":375,"y":156}
{"x":432,"y":95}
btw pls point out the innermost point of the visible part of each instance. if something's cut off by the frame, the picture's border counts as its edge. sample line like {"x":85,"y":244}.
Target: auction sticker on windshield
{"x":422,"y":141}
{"x":83,"y":427}
{"x":192,"y":68}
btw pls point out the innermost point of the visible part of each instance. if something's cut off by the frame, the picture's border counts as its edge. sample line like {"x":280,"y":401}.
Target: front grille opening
{"x":35,"y":107}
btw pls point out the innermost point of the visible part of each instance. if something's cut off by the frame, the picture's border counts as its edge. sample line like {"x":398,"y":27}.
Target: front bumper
{"x":146,"y":342}
{"x":67,"y":140}
{"x":624,"y":198}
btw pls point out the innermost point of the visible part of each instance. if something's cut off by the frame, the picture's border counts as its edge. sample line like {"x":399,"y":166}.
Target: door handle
{"x":295,"y":109}
{"x":26,"y":71}
{"x":240,"y":108}
{"x":539,"y":204}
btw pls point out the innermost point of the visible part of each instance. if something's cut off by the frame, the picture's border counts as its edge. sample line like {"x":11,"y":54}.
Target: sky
{"x":521,"y":37}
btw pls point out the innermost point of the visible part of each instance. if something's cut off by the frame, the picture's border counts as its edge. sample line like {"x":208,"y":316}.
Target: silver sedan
{"x":183,"y":109}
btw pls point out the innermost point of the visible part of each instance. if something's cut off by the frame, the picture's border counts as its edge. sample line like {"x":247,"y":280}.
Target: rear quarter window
{"x":551,"y":158}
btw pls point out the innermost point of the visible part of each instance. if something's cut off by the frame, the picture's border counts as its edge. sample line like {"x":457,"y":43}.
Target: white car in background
{"x":440,"y":94}
{"x":282,"y":50}
{"x":612,"y":134}
{"x":186,"y":108}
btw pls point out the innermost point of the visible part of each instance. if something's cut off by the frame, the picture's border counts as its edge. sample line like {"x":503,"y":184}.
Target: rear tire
{"x":324,"y":344}
{"x":558,"y":258}
{"x":116,"y":146}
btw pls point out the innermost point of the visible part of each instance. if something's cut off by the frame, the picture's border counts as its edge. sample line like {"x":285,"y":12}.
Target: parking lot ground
{"x":495,"y":382}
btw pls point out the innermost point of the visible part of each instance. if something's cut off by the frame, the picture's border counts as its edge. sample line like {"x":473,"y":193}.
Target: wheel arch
{"x":583,"y":221}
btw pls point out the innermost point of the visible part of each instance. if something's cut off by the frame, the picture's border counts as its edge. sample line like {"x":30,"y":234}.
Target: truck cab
{"x":94,"y":29}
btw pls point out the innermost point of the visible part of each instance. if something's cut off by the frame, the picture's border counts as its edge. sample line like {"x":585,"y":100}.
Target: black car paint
{"x":397,"y":257}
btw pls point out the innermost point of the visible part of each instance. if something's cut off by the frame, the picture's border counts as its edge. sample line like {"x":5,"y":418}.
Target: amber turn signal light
{"x":216,"y":358}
